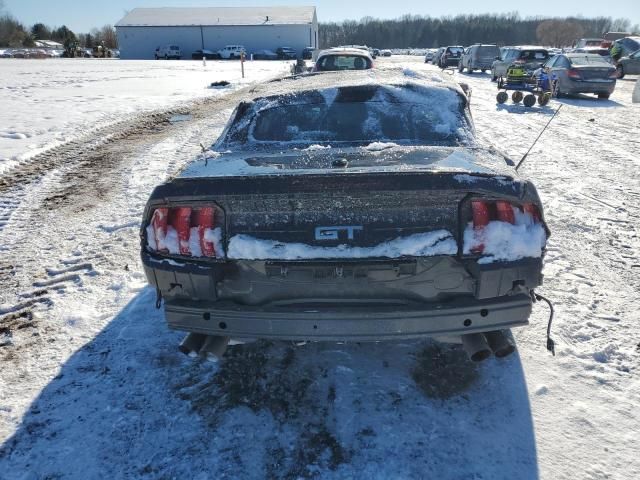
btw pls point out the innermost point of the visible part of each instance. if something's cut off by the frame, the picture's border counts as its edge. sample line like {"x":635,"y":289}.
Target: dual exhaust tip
{"x":211,"y":347}
{"x":480,"y":346}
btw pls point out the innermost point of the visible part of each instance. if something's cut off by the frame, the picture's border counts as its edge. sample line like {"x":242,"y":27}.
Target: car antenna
{"x":538,"y":138}
{"x":204,"y":154}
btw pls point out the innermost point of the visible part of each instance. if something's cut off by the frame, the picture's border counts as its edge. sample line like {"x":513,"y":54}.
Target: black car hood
{"x":376,"y":157}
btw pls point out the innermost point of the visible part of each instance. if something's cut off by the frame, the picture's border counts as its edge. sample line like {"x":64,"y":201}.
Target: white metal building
{"x":142,"y":30}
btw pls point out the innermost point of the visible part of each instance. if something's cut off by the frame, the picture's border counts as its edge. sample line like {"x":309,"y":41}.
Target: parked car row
{"x":232,"y":52}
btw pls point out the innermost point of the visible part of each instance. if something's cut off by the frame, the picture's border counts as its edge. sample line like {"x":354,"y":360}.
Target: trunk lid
{"x":372,"y":197}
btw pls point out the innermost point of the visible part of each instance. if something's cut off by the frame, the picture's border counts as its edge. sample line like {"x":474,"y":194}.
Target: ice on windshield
{"x":432,"y":116}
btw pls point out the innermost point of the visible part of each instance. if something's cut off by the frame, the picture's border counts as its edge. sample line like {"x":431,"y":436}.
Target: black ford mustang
{"x":347,"y":206}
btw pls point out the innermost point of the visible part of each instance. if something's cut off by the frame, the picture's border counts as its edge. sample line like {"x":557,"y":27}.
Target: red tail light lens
{"x":505,"y":212}
{"x":485,"y":211}
{"x":573,"y":73}
{"x":187,"y":231}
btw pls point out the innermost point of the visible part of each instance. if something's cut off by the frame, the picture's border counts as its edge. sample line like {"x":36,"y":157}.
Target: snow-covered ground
{"x":48,"y":102}
{"x":92,"y":385}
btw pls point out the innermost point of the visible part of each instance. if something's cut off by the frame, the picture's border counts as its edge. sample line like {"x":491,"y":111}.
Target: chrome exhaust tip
{"x":476,"y":346}
{"x":214,"y":347}
{"x":192,"y":343}
{"x":500,"y":344}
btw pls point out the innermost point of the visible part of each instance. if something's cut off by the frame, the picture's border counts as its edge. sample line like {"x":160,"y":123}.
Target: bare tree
{"x":558,"y":33}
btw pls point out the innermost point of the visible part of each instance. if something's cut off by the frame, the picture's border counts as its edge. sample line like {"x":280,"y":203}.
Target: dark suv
{"x":451,"y":56}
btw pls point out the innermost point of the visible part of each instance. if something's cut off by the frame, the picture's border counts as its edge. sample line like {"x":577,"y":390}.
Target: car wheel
{"x":555,"y":89}
{"x":604,"y":96}
{"x":460,"y":68}
{"x":469,"y":69}
{"x":619,"y":71}
{"x":502,"y":97}
{"x":544,"y":99}
{"x":484,"y":70}
{"x":494,"y":77}
{"x":516,"y":97}
{"x":529,"y":100}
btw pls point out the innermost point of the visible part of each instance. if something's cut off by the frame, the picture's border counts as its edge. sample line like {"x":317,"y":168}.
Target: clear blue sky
{"x":82,"y":15}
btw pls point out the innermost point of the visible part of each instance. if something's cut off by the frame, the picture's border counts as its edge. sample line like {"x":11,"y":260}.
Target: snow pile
{"x":440,"y":242}
{"x":506,"y":242}
{"x":378,"y":146}
{"x":45,"y":104}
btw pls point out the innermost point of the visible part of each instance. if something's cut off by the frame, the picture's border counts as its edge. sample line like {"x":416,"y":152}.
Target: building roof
{"x":211,"y":16}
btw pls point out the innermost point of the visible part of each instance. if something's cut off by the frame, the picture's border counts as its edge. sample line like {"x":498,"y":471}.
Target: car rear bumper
{"x":591,"y":86}
{"x":340,"y":300}
{"x":362,"y":323}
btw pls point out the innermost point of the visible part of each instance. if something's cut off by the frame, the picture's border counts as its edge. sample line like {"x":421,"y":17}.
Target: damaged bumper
{"x":338,"y":301}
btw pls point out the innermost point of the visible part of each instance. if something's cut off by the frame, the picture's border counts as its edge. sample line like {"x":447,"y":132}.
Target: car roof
{"x":529,"y":47}
{"x":343,"y":51}
{"x":352,"y":78}
{"x":582,"y":55}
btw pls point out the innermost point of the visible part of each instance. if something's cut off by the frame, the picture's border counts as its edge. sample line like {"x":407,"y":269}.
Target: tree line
{"x":415,"y":31}
{"x":15,"y":34}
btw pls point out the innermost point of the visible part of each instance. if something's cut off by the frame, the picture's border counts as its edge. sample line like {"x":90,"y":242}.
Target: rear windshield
{"x":328,"y":63}
{"x":456,"y":50}
{"x":354,"y":116}
{"x":590,"y":60}
{"x":488,"y":51}
{"x":534,"y":55}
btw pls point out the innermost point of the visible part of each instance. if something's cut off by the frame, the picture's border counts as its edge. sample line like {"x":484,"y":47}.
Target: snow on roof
{"x":338,"y":79}
{"x":48,"y":44}
{"x":208,"y":16}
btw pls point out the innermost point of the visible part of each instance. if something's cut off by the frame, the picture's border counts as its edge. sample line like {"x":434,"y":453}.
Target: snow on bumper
{"x":428,"y":244}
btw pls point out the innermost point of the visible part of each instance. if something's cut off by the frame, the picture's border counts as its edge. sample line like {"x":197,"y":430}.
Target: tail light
{"x":574,"y":74}
{"x":186,"y":231}
{"x":486,"y":211}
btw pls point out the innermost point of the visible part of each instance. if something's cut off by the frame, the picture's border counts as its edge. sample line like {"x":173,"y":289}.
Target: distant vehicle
{"x":374,"y":52}
{"x":204,"y":53}
{"x":451,"y":56}
{"x":588,"y":42}
{"x":265,"y":55}
{"x":232,"y":51}
{"x":6,"y":54}
{"x":610,"y":37}
{"x":343,"y":59}
{"x":572,"y":73}
{"x":437,"y":55}
{"x":286,"y":53}
{"x":530,"y":58}
{"x":629,"y":65}
{"x":478,"y":57}
{"x":603,"y":52}
{"x":167,"y":52}
{"x":307,"y":53}
{"x":429,"y":56}
{"x":628,"y":45}
{"x":385,"y":53}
